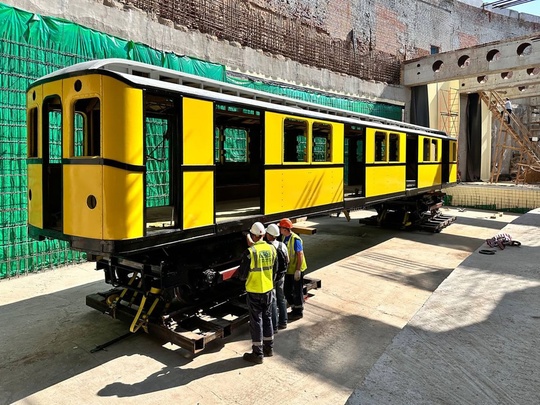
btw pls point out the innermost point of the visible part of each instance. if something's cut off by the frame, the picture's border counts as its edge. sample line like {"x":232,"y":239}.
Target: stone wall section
{"x":347,"y":47}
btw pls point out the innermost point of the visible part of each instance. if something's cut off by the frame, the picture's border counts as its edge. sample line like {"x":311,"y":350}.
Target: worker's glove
{"x":297,"y":275}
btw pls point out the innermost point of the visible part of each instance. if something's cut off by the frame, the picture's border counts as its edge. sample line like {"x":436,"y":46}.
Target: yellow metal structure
{"x":198,"y":199}
{"x":118,"y":191}
{"x":106,"y":160}
{"x":429,"y":165}
{"x":35,"y":200}
{"x":453,"y":164}
{"x":82,"y":181}
{"x":383,"y":174}
{"x":381,"y":180}
{"x":273,"y":144}
{"x":198,"y":144}
{"x":294,"y":189}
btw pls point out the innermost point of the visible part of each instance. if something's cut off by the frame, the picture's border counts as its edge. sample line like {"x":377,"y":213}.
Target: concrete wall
{"x":408,"y":28}
{"x":403,"y":29}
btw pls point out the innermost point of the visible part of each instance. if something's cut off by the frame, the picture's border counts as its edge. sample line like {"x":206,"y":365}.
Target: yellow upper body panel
{"x":274,"y":146}
{"x":122,"y":121}
{"x":399,"y":140}
{"x":198,"y":126}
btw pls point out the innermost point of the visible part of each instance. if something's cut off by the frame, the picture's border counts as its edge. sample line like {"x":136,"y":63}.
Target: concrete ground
{"x":374,"y":281}
{"x":476,"y":340}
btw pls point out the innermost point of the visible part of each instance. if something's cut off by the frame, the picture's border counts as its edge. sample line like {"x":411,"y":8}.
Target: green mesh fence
{"x":32,"y":46}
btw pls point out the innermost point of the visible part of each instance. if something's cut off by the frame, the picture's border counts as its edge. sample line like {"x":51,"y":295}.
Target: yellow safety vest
{"x":263,"y":257}
{"x":292,"y":255}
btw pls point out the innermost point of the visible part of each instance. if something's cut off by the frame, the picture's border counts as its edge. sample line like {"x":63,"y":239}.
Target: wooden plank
{"x":304,"y":230}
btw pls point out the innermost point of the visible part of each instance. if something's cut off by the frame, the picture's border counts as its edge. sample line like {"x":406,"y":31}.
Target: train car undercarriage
{"x":418,"y":212}
{"x":187,"y":294}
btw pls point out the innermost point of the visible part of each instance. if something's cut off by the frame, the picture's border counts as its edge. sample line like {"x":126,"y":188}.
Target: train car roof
{"x":173,"y":80}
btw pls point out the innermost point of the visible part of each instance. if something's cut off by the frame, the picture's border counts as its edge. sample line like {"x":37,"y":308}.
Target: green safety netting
{"x":31,"y":46}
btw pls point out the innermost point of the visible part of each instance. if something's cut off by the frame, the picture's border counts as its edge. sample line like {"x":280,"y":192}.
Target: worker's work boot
{"x":268,"y":351}
{"x":253,"y":358}
{"x":295,"y":315}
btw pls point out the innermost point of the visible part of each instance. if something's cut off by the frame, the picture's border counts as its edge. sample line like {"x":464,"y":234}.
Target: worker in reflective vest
{"x":257,"y":268}
{"x":294,"y":279}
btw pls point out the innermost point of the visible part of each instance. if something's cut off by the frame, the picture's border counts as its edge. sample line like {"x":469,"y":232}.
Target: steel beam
{"x":495,"y":58}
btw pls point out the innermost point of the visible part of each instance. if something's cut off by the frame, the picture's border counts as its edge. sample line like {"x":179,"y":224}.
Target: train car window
{"x":32,"y":134}
{"x":359,"y":150}
{"x":380,"y":147}
{"x":235,"y":141}
{"x":295,"y":140}
{"x":217,"y":144}
{"x":322,"y":135}
{"x":434,"y":150}
{"x":427,"y":149}
{"x":52,"y":127}
{"x":157,"y":162}
{"x":393,"y":148}
{"x":453,"y":152}
{"x":87,"y":127}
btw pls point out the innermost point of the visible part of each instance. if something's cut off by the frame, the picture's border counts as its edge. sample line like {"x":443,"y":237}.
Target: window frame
{"x":89,"y":132}
{"x":432,"y":156}
{"x":32,"y":150}
{"x":307,"y":148}
{"x":329,"y":155}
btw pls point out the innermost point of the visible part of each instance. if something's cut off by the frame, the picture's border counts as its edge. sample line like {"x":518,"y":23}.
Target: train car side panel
{"x":429,"y":175}
{"x":123,"y":196}
{"x":337,"y":143}
{"x":381,"y":180}
{"x":430,"y":161}
{"x":83,"y":201}
{"x":198,"y":128}
{"x":122,"y":115}
{"x":198,"y":201}
{"x":453,"y":172}
{"x":34,"y":151}
{"x":198,"y":144}
{"x":273,"y":139}
{"x":294,"y":189}
{"x":74,"y":90}
{"x":35,"y":195}
{"x":453,"y":162}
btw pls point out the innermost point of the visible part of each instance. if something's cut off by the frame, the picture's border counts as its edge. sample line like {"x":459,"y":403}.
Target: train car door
{"x":163,"y":182}
{"x":412,"y":161}
{"x":355,"y":165}
{"x":197,"y":165}
{"x":238,"y":161}
{"x":52,"y":156}
{"x":445,"y":161}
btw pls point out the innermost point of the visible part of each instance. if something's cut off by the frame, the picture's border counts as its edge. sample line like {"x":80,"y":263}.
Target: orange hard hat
{"x":285,"y":223}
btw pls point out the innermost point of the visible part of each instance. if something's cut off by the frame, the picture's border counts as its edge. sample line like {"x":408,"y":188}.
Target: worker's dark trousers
{"x":294,"y":292}
{"x":260,"y":321}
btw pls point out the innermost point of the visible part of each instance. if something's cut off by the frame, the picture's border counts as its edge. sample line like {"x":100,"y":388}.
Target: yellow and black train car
{"x":147,"y":169}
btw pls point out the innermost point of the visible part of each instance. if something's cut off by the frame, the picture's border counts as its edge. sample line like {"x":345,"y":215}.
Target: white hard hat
{"x":257,"y":229}
{"x":273,"y":230}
